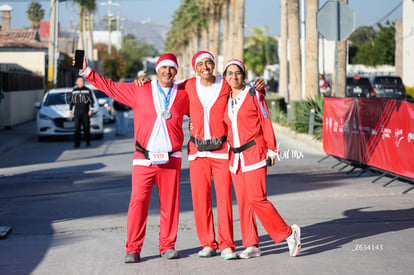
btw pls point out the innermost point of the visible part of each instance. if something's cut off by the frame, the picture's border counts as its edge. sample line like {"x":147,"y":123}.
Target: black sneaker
{"x":132,"y":258}
{"x":170,"y":254}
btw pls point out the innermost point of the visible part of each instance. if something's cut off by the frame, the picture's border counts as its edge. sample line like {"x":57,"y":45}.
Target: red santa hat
{"x":201,"y":55}
{"x":235,"y":62}
{"x":167,"y":59}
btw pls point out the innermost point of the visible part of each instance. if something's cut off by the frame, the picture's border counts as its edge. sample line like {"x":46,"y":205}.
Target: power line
{"x":388,"y":14}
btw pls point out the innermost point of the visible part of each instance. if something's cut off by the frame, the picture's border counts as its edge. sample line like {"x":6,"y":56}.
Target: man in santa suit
{"x":159,"y":107}
{"x":208,"y":156}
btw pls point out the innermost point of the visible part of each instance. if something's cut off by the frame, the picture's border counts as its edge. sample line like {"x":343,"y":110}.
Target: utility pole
{"x":51,"y":82}
{"x":109,"y":21}
{"x":303,"y":47}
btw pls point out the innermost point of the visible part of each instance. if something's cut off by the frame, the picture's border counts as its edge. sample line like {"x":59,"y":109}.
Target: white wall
{"x":17,"y":106}
{"x":103,"y":37}
{"x":32,"y":61}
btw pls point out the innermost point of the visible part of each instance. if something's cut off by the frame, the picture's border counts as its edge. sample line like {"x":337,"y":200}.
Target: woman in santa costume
{"x":159,"y":107}
{"x":252,"y":147}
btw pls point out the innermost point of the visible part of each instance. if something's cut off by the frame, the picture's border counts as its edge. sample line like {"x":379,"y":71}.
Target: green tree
{"x":360,"y":36}
{"x":114,"y":66}
{"x":260,"y":50}
{"x":378,"y":50}
{"x":35,"y":13}
{"x":134,"y":52}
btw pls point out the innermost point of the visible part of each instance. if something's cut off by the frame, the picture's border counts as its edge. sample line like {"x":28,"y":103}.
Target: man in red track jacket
{"x":159,"y":107}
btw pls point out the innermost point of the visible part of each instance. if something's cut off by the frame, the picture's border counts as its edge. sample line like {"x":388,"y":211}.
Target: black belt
{"x":141,"y":149}
{"x":208,"y":141}
{"x":243,"y":147}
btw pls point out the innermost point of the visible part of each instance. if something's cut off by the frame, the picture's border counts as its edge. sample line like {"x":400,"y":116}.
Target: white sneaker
{"x":207,"y":252}
{"x":294,"y":241}
{"x":228,"y":254}
{"x":250,"y":252}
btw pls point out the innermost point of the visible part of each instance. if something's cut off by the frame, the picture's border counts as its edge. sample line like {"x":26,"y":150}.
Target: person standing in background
{"x":82,"y":100}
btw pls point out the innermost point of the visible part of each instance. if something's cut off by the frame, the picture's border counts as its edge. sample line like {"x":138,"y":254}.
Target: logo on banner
{"x":398,"y":136}
{"x":386,"y":133}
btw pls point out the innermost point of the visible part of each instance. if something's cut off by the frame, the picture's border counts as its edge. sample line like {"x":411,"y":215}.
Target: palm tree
{"x":90,"y":6}
{"x":312,"y":38}
{"x":35,"y":13}
{"x":238,"y":29}
{"x":226,"y":37}
{"x":342,"y":61}
{"x":81,"y":44}
{"x":215,"y":7}
{"x":260,"y":51}
{"x":283,"y":68}
{"x":294,"y":46}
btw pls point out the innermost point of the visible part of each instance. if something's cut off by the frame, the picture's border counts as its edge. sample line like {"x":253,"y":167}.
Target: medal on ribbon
{"x":166,"y":114}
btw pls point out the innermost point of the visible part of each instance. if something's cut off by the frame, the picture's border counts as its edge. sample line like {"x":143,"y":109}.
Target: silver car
{"x":106,"y":105}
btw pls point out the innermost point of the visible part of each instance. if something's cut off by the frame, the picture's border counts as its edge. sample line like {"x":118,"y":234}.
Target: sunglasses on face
{"x":230,"y":73}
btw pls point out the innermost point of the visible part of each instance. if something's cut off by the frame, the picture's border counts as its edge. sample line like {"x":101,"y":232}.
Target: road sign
{"x":335,"y":20}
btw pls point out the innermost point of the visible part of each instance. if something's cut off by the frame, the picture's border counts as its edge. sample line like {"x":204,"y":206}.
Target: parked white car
{"x":53,"y":118}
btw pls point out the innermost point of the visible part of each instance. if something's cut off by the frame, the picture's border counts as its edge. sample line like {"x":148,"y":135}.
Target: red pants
{"x":250,"y":188}
{"x":167,"y":178}
{"x":201,"y":170}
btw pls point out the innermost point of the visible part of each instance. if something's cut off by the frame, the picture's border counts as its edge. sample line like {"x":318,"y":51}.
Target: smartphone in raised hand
{"x":79,"y":54}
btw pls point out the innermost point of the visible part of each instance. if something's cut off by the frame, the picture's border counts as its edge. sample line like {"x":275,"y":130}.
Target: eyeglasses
{"x":230,"y":73}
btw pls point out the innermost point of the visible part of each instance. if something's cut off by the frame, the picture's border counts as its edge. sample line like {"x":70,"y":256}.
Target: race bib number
{"x":158,"y":158}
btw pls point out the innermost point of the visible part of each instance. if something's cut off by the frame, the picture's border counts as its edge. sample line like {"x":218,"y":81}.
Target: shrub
{"x":301,"y":112}
{"x":409,"y":92}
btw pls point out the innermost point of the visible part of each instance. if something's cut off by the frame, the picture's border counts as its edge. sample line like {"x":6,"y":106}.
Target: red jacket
{"x":207,"y":116}
{"x":247,"y":122}
{"x":149,"y":128}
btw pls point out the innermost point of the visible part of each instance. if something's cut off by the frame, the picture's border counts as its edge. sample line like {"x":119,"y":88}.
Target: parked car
{"x":106,"y":105}
{"x":359,"y":86}
{"x":388,"y":86}
{"x":53,"y":118}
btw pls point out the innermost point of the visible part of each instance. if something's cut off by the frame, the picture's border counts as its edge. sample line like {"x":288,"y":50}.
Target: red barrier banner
{"x":372,"y":131}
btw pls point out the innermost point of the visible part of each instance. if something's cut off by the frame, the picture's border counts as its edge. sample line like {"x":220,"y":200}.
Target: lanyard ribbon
{"x":166,"y":97}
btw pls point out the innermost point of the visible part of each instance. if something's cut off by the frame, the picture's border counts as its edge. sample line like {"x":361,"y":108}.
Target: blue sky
{"x":258,"y":12}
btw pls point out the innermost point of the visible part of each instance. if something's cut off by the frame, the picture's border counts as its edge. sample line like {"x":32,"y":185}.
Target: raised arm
{"x":122,"y":92}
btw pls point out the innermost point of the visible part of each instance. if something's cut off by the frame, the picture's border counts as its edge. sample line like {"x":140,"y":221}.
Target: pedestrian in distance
{"x":121,"y":116}
{"x":324,"y":88}
{"x":253,"y":147}
{"x":273,"y":84}
{"x":159,"y":107}
{"x":82,"y":100}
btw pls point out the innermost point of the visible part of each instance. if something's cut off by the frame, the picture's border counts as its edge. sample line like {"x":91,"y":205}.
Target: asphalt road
{"x":67,"y":208}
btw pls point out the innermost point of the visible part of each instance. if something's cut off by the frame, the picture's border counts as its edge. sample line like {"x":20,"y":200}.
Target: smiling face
{"x":166,"y":75}
{"x":205,"y":68}
{"x":234,"y":76}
